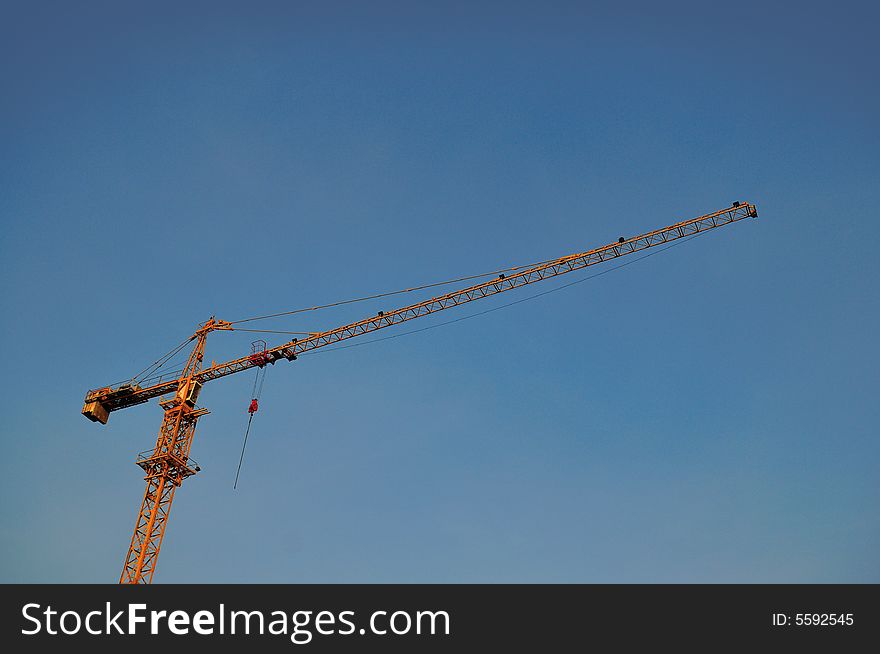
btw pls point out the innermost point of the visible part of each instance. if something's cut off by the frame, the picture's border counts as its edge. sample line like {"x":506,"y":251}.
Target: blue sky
{"x":705,"y":415}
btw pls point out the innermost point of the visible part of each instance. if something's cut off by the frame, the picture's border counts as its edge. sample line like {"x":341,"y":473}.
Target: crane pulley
{"x":169,"y":463}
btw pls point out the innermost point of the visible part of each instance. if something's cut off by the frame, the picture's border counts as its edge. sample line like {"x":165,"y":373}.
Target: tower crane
{"x":169,"y":463}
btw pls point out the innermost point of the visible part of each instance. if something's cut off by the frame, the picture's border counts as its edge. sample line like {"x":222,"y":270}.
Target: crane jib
{"x":99,"y":403}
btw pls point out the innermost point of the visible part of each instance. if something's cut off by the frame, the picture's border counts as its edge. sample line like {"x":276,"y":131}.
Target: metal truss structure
{"x":169,"y":462}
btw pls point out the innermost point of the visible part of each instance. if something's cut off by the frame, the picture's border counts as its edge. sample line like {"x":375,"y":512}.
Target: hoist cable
{"x":262,"y":381}
{"x":256,"y":392}
{"x":243,"y":445}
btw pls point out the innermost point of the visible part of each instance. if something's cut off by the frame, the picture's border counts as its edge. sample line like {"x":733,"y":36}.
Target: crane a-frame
{"x":169,"y":463}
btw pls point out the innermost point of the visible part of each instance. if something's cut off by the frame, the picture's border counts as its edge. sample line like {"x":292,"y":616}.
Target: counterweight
{"x":169,"y":463}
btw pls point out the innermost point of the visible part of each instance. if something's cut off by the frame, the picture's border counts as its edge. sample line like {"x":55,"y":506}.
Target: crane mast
{"x":169,"y":463}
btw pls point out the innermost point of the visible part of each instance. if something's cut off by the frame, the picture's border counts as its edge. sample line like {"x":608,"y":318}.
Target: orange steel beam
{"x":169,"y":463}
